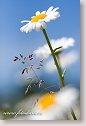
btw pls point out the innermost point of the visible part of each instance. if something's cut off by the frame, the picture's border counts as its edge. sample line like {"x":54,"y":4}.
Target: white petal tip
{"x":37,"y":13}
{"x":21,"y":21}
{"x":24,"y":21}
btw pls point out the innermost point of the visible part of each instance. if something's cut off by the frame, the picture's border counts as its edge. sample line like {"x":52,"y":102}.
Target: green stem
{"x":73,"y":114}
{"x":54,"y":57}
{"x":58,"y":67}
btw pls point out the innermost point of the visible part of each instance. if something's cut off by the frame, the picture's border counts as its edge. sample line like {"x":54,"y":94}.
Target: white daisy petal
{"x":30,"y":27}
{"x":43,"y":12}
{"x":23,"y":27}
{"x":56,"y":14}
{"x":38,"y":26}
{"x":49,"y":10}
{"x":37,"y":13}
{"x":24,"y":21}
{"x":34,"y":25}
{"x":32,"y":16}
{"x":43,"y":25}
{"x":55,"y":9}
{"x":52,"y":17}
{"x":47,"y":19}
{"x":27,"y":30}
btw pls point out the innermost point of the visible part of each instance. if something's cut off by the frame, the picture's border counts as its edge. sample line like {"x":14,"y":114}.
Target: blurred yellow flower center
{"x":36,"y":18}
{"x":47,"y":100}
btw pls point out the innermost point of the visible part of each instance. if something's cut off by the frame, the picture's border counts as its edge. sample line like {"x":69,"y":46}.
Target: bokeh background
{"x":13,"y":42}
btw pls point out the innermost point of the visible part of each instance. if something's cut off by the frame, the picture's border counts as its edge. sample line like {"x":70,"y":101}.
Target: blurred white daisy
{"x":38,"y":21}
{"x":54,"y":106}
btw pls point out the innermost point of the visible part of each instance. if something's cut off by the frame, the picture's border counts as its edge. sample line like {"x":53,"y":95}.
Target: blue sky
{"x":13,"y":41}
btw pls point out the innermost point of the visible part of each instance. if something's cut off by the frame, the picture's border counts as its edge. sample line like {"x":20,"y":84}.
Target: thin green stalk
{"x":54,"y":57}
{"x":73,"y":114}
{"x":58,"y":67}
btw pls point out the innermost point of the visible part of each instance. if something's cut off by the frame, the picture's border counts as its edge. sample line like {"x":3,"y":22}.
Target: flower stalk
{"x":54,"y":57}
{"x":58,"y":67}
{"x":73,"y":114}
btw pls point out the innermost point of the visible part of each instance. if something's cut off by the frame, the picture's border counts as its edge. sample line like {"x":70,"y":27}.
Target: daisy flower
{"x":54,"y":106}
{"x":37,"y":22}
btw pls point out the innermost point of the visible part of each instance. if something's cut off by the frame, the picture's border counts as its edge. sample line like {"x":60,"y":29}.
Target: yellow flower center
{"x":36,"y":18}
{"x":47,"y":100}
